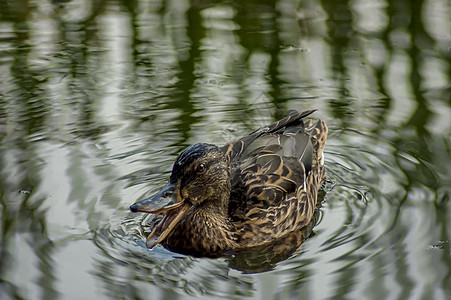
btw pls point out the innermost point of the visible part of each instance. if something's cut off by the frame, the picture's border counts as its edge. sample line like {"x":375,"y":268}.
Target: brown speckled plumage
{"x":247,"y":193}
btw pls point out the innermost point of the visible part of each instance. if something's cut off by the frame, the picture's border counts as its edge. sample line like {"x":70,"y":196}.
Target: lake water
{"x":97,"y":98}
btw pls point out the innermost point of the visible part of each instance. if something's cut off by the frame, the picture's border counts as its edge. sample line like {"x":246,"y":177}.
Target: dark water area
{"x":97,"y":98}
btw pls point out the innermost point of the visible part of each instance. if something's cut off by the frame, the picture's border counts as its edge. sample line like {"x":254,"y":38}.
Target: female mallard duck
{"x":246,"y":193}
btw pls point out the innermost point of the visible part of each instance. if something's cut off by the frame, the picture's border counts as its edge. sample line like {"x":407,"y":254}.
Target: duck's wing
{"x":275,"y":175}
{"x":293,"y":123}
{"x":269,"y":164}
{"x":269,"y":172}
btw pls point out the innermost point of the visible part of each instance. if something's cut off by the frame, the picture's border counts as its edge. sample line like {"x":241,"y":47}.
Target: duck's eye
{"x":200,"y":168}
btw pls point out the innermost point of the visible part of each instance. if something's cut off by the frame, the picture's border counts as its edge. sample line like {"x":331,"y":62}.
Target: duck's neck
{"x":205,"y":229}
{"x":217,"y":205}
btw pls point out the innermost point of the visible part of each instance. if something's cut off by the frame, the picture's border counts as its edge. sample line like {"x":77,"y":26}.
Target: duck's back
{"x":275,"y":175}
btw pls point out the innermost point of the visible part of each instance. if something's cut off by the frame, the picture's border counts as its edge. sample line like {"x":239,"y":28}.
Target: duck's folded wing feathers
{"x":265,"y":136}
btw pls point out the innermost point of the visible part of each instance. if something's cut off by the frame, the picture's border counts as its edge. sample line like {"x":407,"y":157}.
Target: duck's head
{"x":200,"y":175}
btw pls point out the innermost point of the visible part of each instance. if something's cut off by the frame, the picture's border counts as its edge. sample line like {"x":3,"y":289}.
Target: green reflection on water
{"x":97,"y":99}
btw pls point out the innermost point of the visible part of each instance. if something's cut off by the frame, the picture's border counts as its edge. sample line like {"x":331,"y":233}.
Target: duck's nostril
{"x":134,"y":208}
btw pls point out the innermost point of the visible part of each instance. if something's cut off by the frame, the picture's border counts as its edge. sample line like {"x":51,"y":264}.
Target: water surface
{"x":98,"y":98}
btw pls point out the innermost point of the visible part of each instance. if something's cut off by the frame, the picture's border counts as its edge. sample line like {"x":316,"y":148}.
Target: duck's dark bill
{"x":166,"y":225}
{"x":167,"y":200}
{"x":164,"y":200}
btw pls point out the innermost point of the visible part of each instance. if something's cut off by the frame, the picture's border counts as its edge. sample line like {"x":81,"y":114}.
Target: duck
{"x":247,"y":193}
